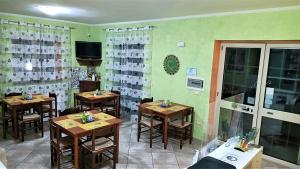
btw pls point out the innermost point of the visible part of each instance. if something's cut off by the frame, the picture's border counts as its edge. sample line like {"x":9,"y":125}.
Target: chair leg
{"x":58,"y":159}
{"x":23,"y":131}
{"x":181,"y":139}
{"x":4,"y":128}
{"x":191,"y":134}
{"x":93,"y":162}
{"x":42,"y":128}
{"x":115,"y":158}
{"x":150,"y":137}
{"x":52,"y":153}
{"x":139,"y":132}
{"x":36,"y":126}
{"x":82,"y":158}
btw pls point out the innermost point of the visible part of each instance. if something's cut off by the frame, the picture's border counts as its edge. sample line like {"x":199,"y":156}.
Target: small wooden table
{"x":17,"y":103}
{"x":73,"y":126}
{"x":90,"y":98}
{"x":164,"y":113}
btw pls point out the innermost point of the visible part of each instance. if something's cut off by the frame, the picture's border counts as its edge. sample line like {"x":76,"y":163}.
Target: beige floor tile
{"x":30,"y":166}
{"x":139,"y":147}
{"x":139,"y":166}
{"x":166,"y":166}
{"x":14,"y":157}
{"x":159,"y":148}
{"x":164,"y":158}
{"x":140,"y":158}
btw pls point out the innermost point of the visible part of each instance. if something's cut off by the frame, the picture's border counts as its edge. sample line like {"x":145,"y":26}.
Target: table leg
{"x":165,"y":132}
{"x":92,"y":106}
{"x":15,"y":127}
{"x":76,"y":153}
{"x":116,"y":142}
{"x":117,"y":108}
{"x":51,"y":111}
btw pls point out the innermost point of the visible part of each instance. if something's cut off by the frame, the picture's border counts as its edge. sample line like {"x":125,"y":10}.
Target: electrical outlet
{"x":196,"y":92}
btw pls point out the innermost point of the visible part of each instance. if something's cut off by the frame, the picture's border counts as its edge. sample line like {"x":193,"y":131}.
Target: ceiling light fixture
{"x":53,"y":10}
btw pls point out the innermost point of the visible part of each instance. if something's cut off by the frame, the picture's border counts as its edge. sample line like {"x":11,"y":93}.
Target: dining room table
{"x":165,"y":113}
{"x":19,"y":103}
{"x":93,"y":98}
{"x":73,"y":126}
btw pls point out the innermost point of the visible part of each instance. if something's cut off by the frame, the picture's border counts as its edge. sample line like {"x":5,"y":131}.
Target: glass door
{"x":279,"y":113}
{"x":240,"y":77}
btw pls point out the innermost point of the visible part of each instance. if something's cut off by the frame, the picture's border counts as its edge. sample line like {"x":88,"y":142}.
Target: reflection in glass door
{"x":279,"y":116}
{"x":259,"y":85}
{"x":240,"y":86}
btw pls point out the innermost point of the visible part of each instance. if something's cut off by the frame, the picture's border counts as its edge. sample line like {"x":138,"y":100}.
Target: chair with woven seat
{"x":182,"y":126}
{"x":46,"y":108}
{"x":30,"y":118}
{"x":109,"y":107}
{"x":82,"y":105}
{"x":6,"y":116}
{"x":71,"y":110}
{"x":149,"y":122}
{"x":6,"y":119}
{"x":99,"y":146}
{"x":59,"y":145}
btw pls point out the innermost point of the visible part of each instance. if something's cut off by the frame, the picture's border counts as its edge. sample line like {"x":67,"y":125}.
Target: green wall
{"x":199,"y":36}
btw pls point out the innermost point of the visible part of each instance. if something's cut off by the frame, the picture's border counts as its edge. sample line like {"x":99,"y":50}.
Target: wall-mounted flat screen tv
{"x":88,"y":50}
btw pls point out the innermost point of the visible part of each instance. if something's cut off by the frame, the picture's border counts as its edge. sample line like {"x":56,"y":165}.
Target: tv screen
{"x":88,"y":50}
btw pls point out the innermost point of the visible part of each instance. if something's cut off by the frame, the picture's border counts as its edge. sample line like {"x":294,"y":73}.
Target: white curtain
{"x":46,"y":48}
{"x":128,"y":65}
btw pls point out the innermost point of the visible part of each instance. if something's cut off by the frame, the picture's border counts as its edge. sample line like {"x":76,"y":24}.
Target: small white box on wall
{"x":195,"y":83}
{"x":181,"y":44}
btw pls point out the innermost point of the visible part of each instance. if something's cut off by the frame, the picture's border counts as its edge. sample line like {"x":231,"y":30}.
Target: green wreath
{"x":171,"y":64}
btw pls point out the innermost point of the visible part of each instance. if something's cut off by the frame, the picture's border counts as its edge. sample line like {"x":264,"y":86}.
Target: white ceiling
{"x":110,"y":11}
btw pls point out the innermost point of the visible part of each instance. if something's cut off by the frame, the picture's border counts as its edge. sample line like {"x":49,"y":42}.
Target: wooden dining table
{"x":92,"y":99}
{"x":18,"y":103}
{"x":163,"y":112}
{"x":72,"y":125}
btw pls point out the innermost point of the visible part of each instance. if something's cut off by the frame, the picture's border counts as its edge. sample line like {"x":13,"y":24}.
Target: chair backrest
{"x":54,"y":132}
{"x":187,"y":116}
{"x":98,"y":133}
{"x":12,"y":94}
{"x":54,"y":96}
{"x":116,"y":92}
{"x":68,"y":111}
{"x":146,"y":100}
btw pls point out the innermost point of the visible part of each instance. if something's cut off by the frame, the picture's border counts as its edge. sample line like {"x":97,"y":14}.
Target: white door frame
{"x":221,"y":103}
{"x":274,"y":114}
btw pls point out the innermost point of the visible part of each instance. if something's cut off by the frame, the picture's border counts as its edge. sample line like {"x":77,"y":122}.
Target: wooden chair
{"x":59,"y":145}
{"x":30,"y":118}
{"x":99,"y":146}
{"x":46,"y":108}
{"x":81,"y":104}
{"x":6,"y":119}
{"x":72,"y":110}
{"x":12,"y":94}
{"x":148,"y":122}
{"x":109,"y":107}
{"x":6,"y":115}
{"x":182,"y":126}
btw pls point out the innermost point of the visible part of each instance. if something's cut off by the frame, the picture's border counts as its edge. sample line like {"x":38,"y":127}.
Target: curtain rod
{"x":33,"y":24}
{"x":130,"y":28}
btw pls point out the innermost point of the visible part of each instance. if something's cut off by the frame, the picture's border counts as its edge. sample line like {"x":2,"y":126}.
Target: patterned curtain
{"x":128,"y":60}
{"x":46,"y":48}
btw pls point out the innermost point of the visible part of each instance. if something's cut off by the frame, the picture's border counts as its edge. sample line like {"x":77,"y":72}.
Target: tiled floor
{"x":35,"y":152}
